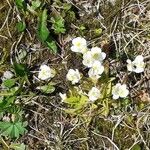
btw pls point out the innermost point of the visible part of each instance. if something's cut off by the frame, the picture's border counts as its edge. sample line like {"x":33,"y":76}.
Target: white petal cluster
{"x":46,"y":72}
{"x":120,"y":91}
{"x":79,"y":45}
{"x":137,"y":65}
{"x":73,"y":76}
{"x":96,"y":70}
{"x":63,"y":96}
{"x":94,"y":94}
{"x":95,"y":54}
{"x":93,"y":59}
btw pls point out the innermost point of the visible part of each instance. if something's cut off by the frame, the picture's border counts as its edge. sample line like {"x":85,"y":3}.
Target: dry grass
{"x":126,"y":33}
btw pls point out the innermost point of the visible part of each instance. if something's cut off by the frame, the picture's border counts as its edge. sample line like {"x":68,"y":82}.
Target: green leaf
{"x":106,"y":91}
{"x":21,"y":26}
{"x":10,"y":99}
{"x":17,"y":146}
{"x":6,"y":102}
{"x":105,"y":109}
{"x":98,"y":31}
{"x":12,"y":129}
{"x":52,"y":46}
{"x":136,"y":147}
{"x":9,"y":92}
{"x":20,"y":69}
{"x":20,"y":4}
{"x":46,"y":88}
{"x":1,"y":115}
{"x":70,"y":111}
{"x":58,"y":24}
{"x":77,"y":102}
{"x":43,"y":31}
{"x":6,"y":93}
{"x":36,"y":4}
{"x":72,"y":100}
{"x":83,"y":101}
{"x":66,"y":6}
{"x":9,"y":83}
{"x":82,"y":28}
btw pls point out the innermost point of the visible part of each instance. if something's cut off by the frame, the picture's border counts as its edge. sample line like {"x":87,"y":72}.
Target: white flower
{"x":119,"y":91}
{"x":97,"y":54}
{"x":7,"y":75}
{"x":73,"y":76}
{"x":96,"y":70}
{"x":46,"y":72}
{"x":130,"y":65}
{"x":87,"y":59}
{"x":94,"y":94}
{"x":63,"y":96}
{"x":137,"y":65}
{"x":79,"y":50}
{"x":79,"y":45}
{"x":94,"y":55}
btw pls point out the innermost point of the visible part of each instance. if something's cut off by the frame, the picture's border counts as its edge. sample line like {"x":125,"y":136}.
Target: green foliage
{"x":17,"y":146}
{"x":98,"y":31}
{"x":77,"y":103}
{"x":82,"y":27}
{"x":20,"y":69}
{"x":105,"y":108}
{"x":44,"y":34}
{"x":52,"y":46}
{"x":34,"y":5}
{"x":63,"y":5}
{"x":67,"y":6}
{"x":43,"y":31}
{"x":12,"y":129}
{"x":9,"y":83}
{"x":107,"y":87}
{"x":7,"y":101}
{"x":136,"y":147}
{"x":13,"y":98}
{"x":66,"y":11}
{"x":20,"y":4}
{"x":58,"y":24}
{"x":9,"y":92}
{"x":80,"y":104}
{"x":21,"y":26}
{"x":47,"y":88}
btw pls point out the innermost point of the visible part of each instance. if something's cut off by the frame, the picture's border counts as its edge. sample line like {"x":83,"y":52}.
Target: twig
{"x":107,"y":139}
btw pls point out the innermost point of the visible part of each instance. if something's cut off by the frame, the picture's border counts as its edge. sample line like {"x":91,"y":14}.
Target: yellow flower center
{"x":78,"y":44}
{"x":96,"y":56}
{"x":44,"y":72}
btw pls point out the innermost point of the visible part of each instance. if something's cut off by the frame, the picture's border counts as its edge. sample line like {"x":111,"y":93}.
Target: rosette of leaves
{"x":76,"y":103}
{"x":12,"y":129}
{"x":58,"y":24}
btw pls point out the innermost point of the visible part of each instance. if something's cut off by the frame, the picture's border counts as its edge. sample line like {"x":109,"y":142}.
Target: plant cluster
{"x":36,"y":8}
{"x":88,"y":89}
{"x":93,"y":59}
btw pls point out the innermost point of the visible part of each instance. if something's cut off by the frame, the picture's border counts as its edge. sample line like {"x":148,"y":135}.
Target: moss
{"x":70,"y":135}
